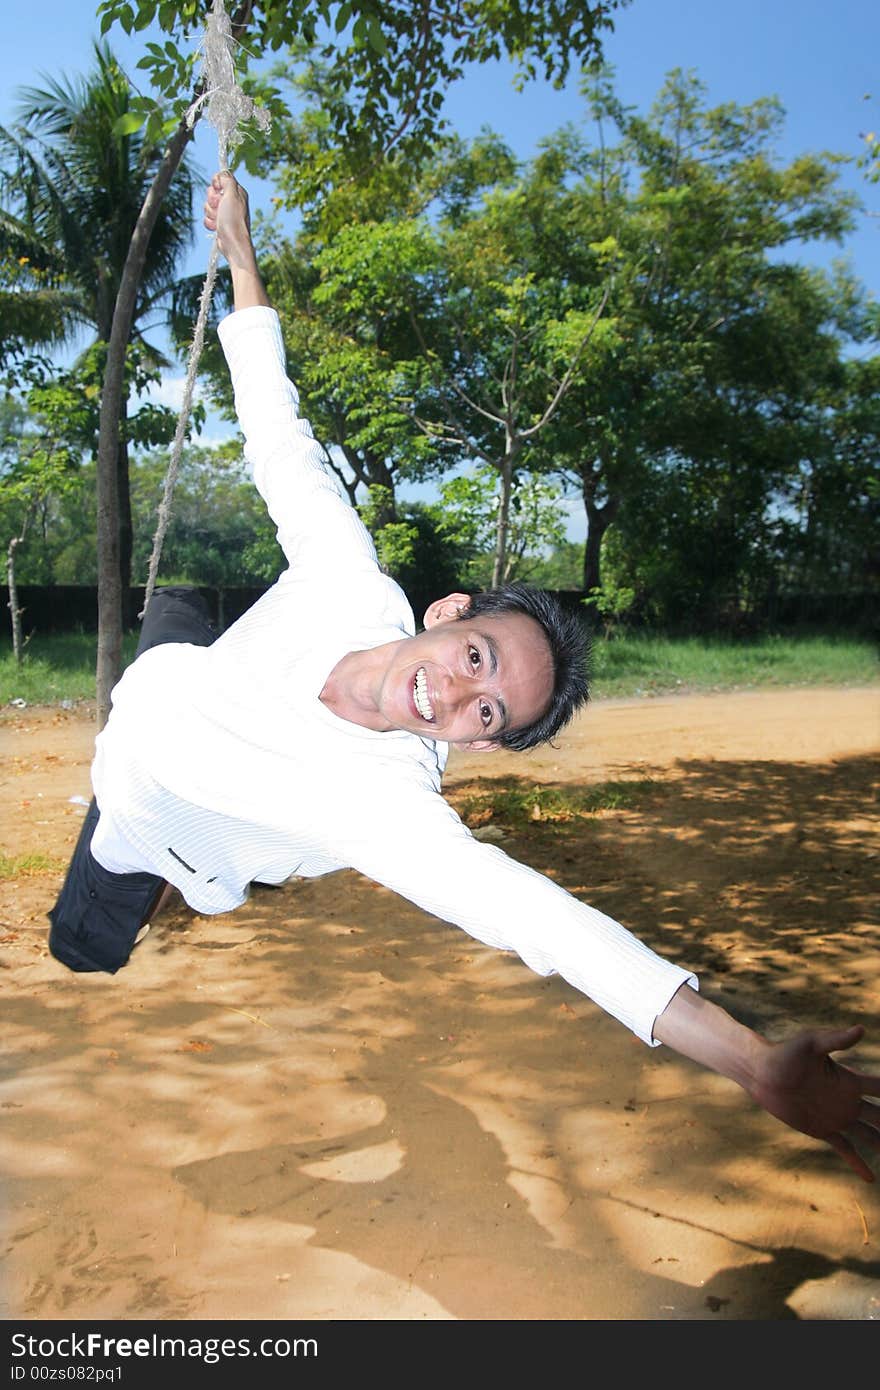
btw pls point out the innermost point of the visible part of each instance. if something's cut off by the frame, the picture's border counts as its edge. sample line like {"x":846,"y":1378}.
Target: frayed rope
{"x":227,"y":108}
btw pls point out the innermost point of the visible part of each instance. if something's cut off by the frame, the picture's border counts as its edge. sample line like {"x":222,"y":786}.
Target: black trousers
{"x":98,"y":914}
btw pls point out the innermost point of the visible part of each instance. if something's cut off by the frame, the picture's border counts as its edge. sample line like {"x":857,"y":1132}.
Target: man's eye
{"x":486,"y":714}
{"x":474,"y":657}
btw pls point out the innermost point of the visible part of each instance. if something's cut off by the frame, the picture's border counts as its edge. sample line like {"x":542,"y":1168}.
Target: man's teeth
{"x":420,"y":693}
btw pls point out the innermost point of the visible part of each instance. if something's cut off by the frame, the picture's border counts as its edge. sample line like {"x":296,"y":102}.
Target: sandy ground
{"x":331,"y":1106}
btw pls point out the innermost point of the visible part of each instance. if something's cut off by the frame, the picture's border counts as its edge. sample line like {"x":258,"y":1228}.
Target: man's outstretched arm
{"x":796,"y":1080}
{"x":317,"y":524}
{"x":227,"y":213}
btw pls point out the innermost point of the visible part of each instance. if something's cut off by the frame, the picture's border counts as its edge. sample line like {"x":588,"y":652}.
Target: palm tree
{"x":76,"y":185}
{"x":35,"y":308}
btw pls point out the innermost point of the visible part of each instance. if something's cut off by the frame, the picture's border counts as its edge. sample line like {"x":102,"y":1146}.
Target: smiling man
{"x":472,"y":677}
{"x":313,"y":735}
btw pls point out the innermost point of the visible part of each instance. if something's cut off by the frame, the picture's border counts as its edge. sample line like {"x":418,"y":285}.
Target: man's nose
{"x":455,"y":688}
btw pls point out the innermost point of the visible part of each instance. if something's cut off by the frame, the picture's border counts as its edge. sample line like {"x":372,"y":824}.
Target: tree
{"x":219,"y":531}
{"x":764,"y":483}
{"x":708,"y":331}
{"x":37,"y":461}
{"x":351,"y":350}
{"x":393,"y":60}
{"x":828,"y":526}
{"x":510,"y":356}
{"x":57,"y":415}
{"x":77,"y":185}
{"x":469,"y":517}
{"x":467,"y":303}
{"x":478,"y":345}
{"x":35,"y":308}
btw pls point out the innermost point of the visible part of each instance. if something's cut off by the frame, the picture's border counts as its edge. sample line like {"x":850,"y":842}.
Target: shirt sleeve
{"x":431,"y":858}
{"x":316,"y":523}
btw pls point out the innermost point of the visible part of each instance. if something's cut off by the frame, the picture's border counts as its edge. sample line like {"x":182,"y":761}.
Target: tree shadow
{"x":478,"y":1175}
{"x":760,"y":876}
{"x":448,"y":1221}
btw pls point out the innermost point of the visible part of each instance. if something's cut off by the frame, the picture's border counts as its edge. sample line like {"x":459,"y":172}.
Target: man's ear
{"x":447,"y":610}
{"x":482,"y":745}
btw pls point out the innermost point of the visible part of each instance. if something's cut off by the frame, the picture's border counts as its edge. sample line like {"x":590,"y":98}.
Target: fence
{"x":74,"y":608}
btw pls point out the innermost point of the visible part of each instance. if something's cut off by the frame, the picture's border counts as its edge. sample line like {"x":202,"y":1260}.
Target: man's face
{"x":467,"y":680}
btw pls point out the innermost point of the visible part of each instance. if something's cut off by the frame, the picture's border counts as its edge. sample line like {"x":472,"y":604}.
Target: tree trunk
{"x":598,"y":521}
{"x":109,"y":572}
{"x":372,"y":472}
{"x":14,"y":611}
{"x":126,"y":533}
{"x":109,"y":663}
{"x":502,"y":529}
{"x":381,"y":481}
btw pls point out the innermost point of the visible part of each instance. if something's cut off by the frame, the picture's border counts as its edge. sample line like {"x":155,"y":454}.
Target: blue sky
{"x":820,"y":60}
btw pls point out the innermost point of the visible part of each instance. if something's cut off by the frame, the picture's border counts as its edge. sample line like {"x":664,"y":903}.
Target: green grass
{"x":26,"y":865}
{"x":57,"y":668}
{"x":512,"y":803}
{"x":646,"y":664}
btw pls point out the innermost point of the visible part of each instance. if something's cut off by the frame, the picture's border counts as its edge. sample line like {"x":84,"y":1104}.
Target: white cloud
{"x":168,"y":391}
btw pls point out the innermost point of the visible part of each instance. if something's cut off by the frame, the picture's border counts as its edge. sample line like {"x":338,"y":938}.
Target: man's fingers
{"x":868,"y":1125}
{"x":866,"y":1136}
{"x":850,"y":1157}
{"x":214,"y":197}
{"x":869,"y":1086}
{"x":836,"y":1039}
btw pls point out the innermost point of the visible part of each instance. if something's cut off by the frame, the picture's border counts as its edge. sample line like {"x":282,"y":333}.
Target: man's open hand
{"x":803,"y":1086}
{"x":796,"y":1081}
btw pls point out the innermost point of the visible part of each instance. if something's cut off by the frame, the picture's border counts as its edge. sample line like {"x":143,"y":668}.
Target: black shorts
{"x":98,"y":913}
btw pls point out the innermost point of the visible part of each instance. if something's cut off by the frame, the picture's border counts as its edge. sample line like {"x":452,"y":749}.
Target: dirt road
{"x":330,"y":1106}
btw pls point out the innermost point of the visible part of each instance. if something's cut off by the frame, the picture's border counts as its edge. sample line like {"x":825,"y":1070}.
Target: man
{"x":313,"y":735}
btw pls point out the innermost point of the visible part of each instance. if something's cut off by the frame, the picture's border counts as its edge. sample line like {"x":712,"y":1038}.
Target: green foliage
{"x":77,"y":185}
{"x":562,"y":568}
{"x":219,"y":532}
{"x":456,"y":325}
{"x":624,"y":313}
{"x":713,"y":378}
{"x":351,"y":350}
{"x":47,"y":495}
{"x":612,"y":601}
{"x":387,"y":65}
{"x":827,"y":538}
{"x":414,"y":547}
{"x":705,"y":412}
{"x":513,"y":803}
{"x":35,"y":308}
{"x":77,"y":179}
{"x":469,"y":516}
{"x":395,"y":540}
{"x":38,"y":463}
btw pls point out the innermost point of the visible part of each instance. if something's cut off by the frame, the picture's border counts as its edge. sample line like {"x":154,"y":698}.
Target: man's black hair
{"x":569,"y":650}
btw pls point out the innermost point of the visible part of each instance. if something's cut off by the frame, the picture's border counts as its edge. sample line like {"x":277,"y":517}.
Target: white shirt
{"x":220,"y":766}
